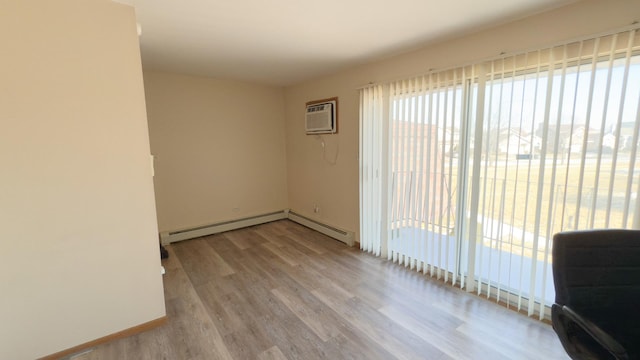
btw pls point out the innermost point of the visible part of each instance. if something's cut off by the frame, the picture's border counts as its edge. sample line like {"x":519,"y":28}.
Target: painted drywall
{"x":79,"y":253}
{"x":334,"y":188}
{"x":219,"y":149}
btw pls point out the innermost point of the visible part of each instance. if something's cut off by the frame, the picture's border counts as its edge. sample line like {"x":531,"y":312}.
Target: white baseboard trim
{"x":344,"y":236}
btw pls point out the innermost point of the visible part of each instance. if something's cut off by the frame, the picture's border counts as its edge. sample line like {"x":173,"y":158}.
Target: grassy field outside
{"x":514,"y":209}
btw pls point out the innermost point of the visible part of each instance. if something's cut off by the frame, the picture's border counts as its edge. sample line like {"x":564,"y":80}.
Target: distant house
{"x":517,"y":142}
{"x":571,"y":138}
{"x":626,"y":137}
{"x":597,"y":142}
{"x":576,"y":141}
{"x":609,"y":141}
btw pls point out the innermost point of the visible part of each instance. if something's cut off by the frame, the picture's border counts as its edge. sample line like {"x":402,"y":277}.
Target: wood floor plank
{"x":508,"y":347}
{"x":247,"y":344}
{"x":283,"y":253}
{"x":275,"y":265}
{"x":306,"y":243}
{"x":307,"y":311}
{"x":245,"y":238}
{"x":294,"y":254}
{"x":196,"y":336}
{"x":331,"y":290}
{"x":232,"y":255}
{"x":200,"y":261}
{"x":358,"y":347}
{"x":221,"y":244}
{"x":309,"y":277}
{"x":455,"y":344}
{"x":387,"y":333}
{"x":341,"y":275}
{"x":273,"y":353}
{"x":272,"y":235}
{"x":295,"y":339}
{"x":267,"y":267}
{"x":223,"y":309}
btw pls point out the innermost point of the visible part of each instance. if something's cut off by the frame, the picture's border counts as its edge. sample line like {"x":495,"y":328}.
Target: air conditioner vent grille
{"x":320,"y":118}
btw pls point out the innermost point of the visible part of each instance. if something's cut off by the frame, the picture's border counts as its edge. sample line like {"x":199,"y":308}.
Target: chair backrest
{"x":597,"y":274}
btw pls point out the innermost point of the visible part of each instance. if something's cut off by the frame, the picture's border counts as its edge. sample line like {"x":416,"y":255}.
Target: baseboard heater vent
{"x":173,"y":236}
{"x":346,"y":237}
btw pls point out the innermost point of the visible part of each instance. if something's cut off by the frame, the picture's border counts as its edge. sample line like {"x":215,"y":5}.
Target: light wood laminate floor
{"x":282,"y":291}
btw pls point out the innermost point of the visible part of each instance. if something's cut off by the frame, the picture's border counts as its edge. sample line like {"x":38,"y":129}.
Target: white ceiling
{"x":283,"y":42}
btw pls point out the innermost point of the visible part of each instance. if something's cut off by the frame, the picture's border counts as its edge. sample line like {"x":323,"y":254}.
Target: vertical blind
{"x":371,"y":169}
{"x":466,"y":174}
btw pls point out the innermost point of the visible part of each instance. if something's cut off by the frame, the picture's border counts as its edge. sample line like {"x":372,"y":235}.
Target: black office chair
{"x":596,"y":275}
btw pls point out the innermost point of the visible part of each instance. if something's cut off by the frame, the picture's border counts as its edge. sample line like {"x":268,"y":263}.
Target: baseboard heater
{"x":168,"y":237}
{"x":346,"y":237}
{"x":185,"y":234}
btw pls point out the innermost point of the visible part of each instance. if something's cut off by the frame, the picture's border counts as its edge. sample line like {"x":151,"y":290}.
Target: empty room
{"x":310,"y":180}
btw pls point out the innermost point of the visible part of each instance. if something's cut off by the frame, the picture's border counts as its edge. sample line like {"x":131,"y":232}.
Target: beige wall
{"x":219,"y":148}
{"x":335,"y":188}
{"x":79,"y":245}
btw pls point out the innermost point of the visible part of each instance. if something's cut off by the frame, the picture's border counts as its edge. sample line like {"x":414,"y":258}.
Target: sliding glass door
{"x":480,"y":166}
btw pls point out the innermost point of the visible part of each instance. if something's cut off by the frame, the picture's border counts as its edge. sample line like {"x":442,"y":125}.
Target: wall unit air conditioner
{"x":321,"y":117}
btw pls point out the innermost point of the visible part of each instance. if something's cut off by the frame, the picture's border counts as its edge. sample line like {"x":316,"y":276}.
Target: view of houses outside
{"x":548,"y":163}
